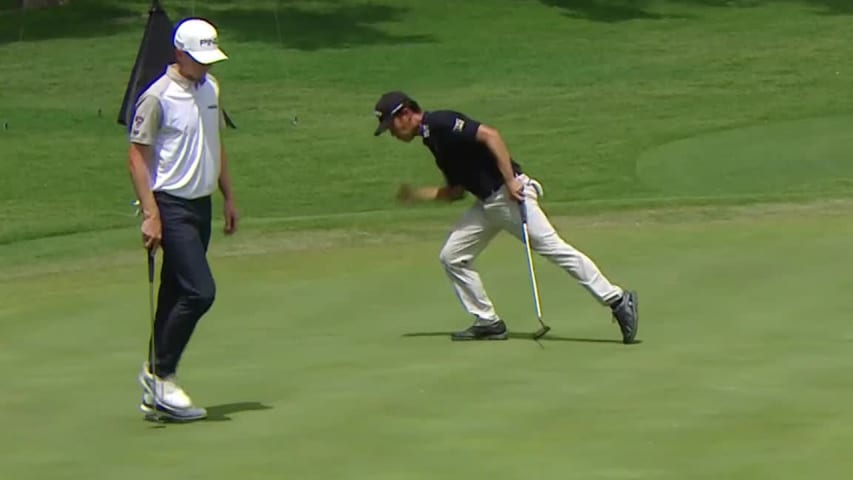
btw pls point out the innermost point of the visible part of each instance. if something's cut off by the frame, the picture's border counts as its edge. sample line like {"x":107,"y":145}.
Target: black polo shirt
{"x":451,"y":137}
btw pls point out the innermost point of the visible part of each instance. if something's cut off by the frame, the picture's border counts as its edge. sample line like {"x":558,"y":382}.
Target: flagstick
{"x":277,"y":27}
{"x":21,"y":30}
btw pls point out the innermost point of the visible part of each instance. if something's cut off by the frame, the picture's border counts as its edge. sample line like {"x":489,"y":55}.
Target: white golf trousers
{"x":484,"y":220}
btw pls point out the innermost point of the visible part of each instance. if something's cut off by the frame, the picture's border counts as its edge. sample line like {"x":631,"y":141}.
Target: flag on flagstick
{"x":156,"y":52}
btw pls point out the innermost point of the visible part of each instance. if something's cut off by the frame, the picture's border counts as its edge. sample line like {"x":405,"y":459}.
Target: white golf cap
{"x":200,"y":40}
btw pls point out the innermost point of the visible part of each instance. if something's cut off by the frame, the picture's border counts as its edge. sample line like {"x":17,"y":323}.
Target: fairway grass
{"x":315,"y":371}
{"x":578,"y":92}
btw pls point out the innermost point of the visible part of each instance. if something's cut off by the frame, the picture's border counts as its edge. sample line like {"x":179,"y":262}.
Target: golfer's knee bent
{"x":451,"y":260}
{"x":201,"y":300}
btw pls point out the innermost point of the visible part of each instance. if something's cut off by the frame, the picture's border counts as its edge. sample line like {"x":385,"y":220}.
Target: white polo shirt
{"x":181,"y":121}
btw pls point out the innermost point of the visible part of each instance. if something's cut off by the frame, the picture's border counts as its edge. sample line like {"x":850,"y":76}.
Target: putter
{"x":151,"y":303}
{"x":151,"y":254}
{"x":156,"y":415}
{"x":526,"y":237}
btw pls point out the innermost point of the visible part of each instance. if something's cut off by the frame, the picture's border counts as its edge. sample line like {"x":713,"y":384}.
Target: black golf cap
{"x":388,"y":105}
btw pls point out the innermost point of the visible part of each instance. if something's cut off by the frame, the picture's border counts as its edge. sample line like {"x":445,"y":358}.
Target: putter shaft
{"x":526,"y":237}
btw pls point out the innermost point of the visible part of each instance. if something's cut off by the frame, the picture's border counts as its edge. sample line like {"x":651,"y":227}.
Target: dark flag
{"x":155,"y":53}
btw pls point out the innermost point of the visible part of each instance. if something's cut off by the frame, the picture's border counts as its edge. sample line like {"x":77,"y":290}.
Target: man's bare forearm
{"x":428,"y":194}
{"x":225,"y":178}
{"x":501,"y":152}
{"x":139,"y":158}
{"x":492,"y":139}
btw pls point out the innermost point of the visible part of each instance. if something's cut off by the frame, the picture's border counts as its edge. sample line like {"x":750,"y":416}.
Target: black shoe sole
{"x":636,"y":314}
{"x":497,"y":336}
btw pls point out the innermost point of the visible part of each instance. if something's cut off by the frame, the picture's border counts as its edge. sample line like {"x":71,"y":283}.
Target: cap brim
{"x":383,"y":125}
{"x":207,"y":57}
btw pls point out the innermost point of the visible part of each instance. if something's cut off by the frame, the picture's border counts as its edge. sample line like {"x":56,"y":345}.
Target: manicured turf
{"x":808,"y":155}
{"x":313,"y":372}
{"x":579,"y":93}
{"x":661,"y":130}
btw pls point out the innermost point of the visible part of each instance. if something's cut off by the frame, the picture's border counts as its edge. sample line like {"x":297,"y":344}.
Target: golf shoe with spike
{"x":626,"y":314}
{"x":479,"y":331}
{"x":164,"y":399}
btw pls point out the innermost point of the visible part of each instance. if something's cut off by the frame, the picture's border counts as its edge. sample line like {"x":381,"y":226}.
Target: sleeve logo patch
{"x":458,"y":125}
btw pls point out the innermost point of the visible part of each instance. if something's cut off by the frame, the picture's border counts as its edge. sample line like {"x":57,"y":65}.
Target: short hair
{"x":412,"y":105}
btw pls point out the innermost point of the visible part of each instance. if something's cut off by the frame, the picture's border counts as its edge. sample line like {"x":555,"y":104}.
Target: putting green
{"x":315,"y":371}
{"x":781,"y":157}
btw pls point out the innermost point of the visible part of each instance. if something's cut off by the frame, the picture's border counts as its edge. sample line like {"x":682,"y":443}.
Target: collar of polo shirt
{"x":181,"y":80}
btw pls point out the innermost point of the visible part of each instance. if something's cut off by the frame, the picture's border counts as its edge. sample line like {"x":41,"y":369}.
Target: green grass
{"x":697,"y":150}
{"x":324,"y":373}
{"x":577,"y":100}
{"x":807,"y":155}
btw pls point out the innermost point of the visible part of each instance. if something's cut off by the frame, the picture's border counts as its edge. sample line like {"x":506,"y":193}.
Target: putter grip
{"x":522,"y":208}
{"x":150,"y":265}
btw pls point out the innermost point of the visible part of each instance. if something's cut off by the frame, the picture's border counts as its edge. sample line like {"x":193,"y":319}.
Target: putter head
{"x":541,"y":332}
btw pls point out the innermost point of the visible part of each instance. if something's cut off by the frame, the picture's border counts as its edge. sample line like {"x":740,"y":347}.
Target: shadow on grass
{"x":220,"y":413}
{"x":525,"y":336}
{"x":331,"y":25}
{"x":314,"y":25}
{"x":78,"y":20}
{"x":832,"y":7}
{"x":298,"y":25}
{"x":611,"y":11}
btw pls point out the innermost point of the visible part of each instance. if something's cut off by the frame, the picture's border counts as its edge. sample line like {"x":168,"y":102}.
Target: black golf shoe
{"x":477,"y":331}
{"x":627,"y":315}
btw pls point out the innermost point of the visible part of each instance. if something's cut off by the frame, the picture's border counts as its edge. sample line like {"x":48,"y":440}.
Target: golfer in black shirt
{"x":474,"y":158}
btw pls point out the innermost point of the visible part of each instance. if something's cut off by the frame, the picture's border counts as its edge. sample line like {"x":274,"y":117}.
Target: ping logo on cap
{"x":207,"y":42}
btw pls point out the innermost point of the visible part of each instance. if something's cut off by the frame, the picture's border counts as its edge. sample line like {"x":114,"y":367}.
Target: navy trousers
{"x":187,"y":288}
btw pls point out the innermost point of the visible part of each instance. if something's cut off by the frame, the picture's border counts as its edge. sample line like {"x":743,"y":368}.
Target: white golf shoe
{"x":163,"y":398}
